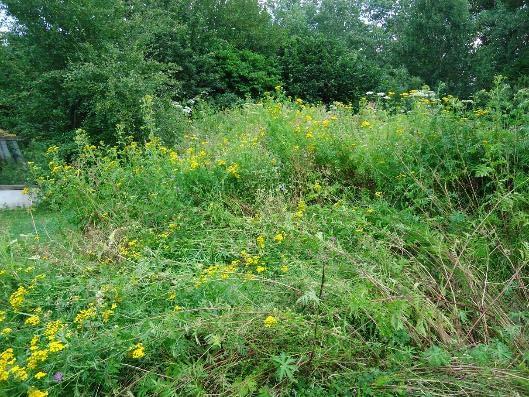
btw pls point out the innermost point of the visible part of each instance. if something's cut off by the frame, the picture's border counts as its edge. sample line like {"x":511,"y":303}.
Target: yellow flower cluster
{"x":56,"y":168}
{"x":481,"y":112}
{"x":222,"y":272}
{"x":7,"y":359}
{"x":32,"y":320}
{"x":37,"y":393}
{"x":17,"y":298}
{"x":84,"y":315}
{"x":19,"y":373}
{"x":109,"y":313}
{"x":130,"y":250}
{"x":302,"y":207}
{"x":249,"y":260}
{"x":247,"y":265}
{"x":6,"y":331}
{"x":55,"y":345}
{"x":270,"y":321}
{"x":137,"y":351}
{"x":233,"y":170}
{"x":53,"y":328}
{"x":52,"y":150}
{"x":8,"y":362}
{"x":37,"y":355}
{"x":276,"y":110}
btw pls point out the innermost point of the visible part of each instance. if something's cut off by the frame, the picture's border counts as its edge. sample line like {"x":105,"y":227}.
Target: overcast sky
{"x":3,"y":20}
{"x":2,"y":17}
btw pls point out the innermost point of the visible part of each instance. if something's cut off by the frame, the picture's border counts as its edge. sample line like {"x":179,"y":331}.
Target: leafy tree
{"x":434,"y":41}
{"x":320,"y":69}
{"x":502,"y":38}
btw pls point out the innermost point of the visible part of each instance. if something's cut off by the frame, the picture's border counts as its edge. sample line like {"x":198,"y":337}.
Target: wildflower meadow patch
{"x":278,"y":249}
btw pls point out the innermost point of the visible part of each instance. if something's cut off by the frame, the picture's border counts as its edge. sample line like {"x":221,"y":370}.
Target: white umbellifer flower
{"x":369,"y":93}
{"x":381,"y":94}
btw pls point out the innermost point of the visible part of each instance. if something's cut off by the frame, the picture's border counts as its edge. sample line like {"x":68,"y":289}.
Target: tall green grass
{"x":285,"y":249}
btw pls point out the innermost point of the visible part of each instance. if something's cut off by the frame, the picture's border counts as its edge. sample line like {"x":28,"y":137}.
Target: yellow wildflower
{"x":37,"y":393}
{"x":56,"y":346}
{"x":301,"y":209}
{"x":32,"y":320}
{"x":6,"y":331}
{"x":17,"y":298}
{"x":107,"y":314}
{"x":233,"y":170}
{"x":84,"y":315}
{"x":270,"y":321}
{"x":40,"y":375}
{"x":279,"y":237}
{"x":194,"y":164}
{"x":137,"y":351}
{"x":52,"y":328}
{"x":7,"y":356}
{"x":365,"y":124}
{"x":2,"y":315}
{"x":260,"y":241}
{"x":284,"y":268}
{"x":52,"y":149}
{"x":260,"y":269}
{"x":36,"y":357}
{"x":19,"y":373}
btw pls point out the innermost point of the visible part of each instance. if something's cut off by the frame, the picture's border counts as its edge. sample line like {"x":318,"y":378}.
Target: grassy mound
{"x":280,"y":249}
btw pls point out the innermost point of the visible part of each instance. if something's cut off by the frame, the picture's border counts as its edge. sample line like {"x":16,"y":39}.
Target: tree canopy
{"x":71,"y":64}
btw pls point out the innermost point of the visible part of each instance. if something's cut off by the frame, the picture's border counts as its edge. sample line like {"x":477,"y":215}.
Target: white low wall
{"x":13,"y":198}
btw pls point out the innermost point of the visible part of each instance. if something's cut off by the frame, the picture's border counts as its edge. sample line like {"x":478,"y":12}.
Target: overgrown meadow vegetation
{"x":281,"y":249}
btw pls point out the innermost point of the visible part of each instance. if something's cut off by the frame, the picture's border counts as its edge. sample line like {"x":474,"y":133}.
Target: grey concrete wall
{"x":13,"y":198}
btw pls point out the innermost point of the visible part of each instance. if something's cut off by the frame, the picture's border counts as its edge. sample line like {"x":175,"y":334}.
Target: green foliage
{"x":316,"y":237}
{"x":502,"y":29}
{"x":285,"y":367}
{"x":436,"y":357}
{"x":279,"y":248}
{"x":318,"y":68}
{"x":434,"y":42}
{"x":64,"y":67}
